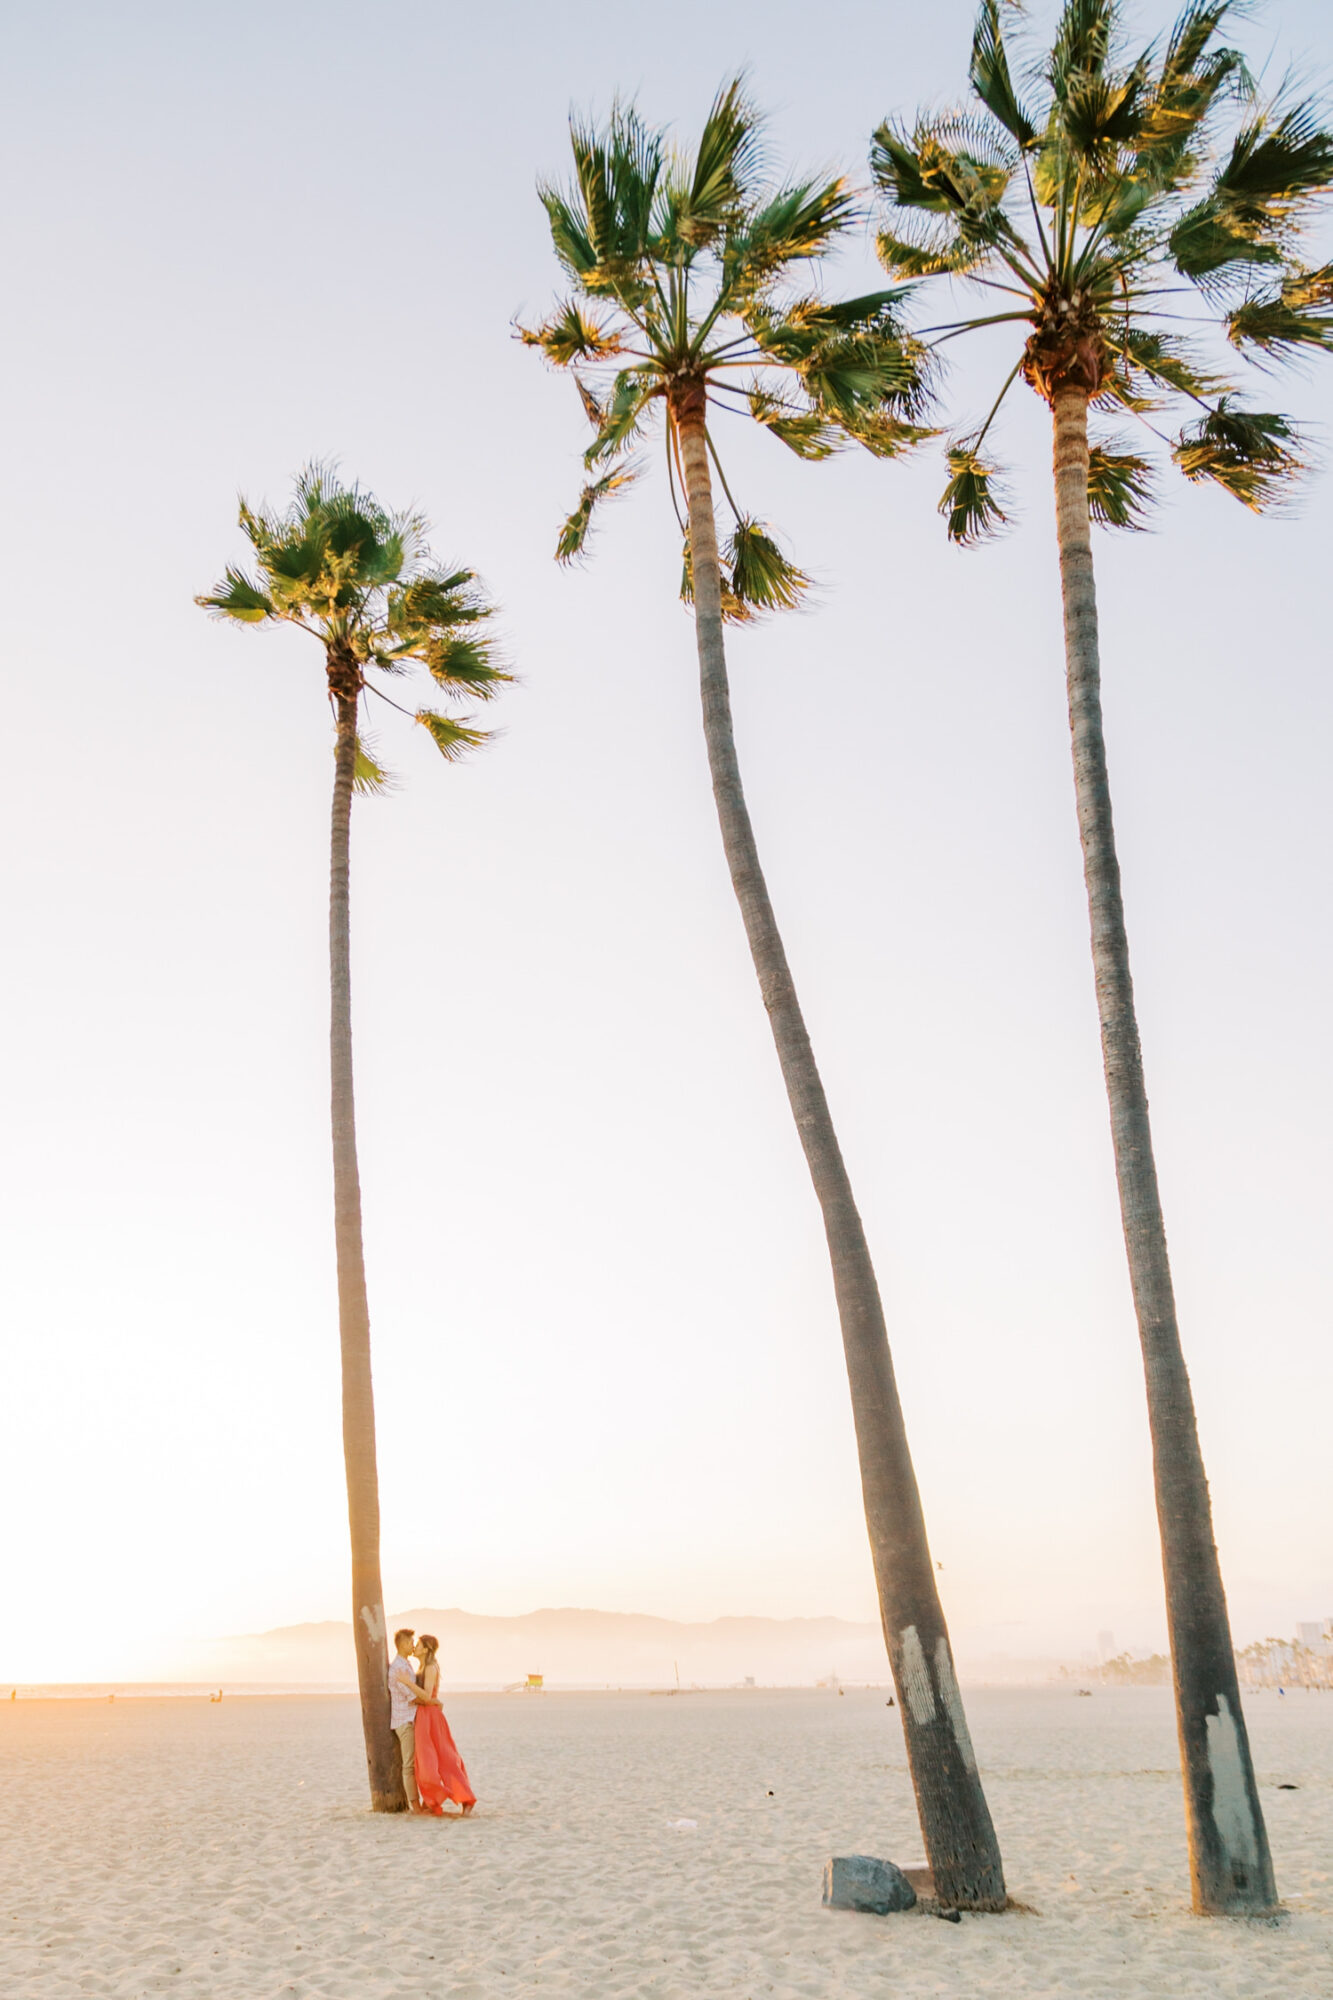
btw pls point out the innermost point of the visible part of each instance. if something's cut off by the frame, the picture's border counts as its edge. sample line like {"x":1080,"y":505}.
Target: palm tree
{"x":686,"y":292}
{"x":363,"y":584}
{"x":1126,"y":195}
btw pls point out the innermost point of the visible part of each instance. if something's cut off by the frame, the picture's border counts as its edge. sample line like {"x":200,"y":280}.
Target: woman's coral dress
{"x":441,"y":1773}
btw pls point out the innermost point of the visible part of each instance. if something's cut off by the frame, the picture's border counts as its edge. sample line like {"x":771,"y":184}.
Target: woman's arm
{"x":430,"y":1680}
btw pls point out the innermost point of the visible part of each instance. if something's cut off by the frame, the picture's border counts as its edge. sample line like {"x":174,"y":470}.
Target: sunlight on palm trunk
{"x":955,"y":1821}
{"x":1230,"y":1865}
{"x":383,"y":1764}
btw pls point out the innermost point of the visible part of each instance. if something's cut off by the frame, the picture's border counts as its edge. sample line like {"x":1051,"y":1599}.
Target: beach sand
{"x":224,"y":1852}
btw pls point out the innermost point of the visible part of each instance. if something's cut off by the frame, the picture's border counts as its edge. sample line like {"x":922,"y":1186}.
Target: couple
{"x":432,"y":1768}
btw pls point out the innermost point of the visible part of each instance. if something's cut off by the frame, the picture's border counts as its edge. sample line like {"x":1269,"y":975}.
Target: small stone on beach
{"x":861,"y":1882}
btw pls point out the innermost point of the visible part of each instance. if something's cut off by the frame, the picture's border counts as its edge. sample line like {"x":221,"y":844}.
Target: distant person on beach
{"x":439,"y":1770}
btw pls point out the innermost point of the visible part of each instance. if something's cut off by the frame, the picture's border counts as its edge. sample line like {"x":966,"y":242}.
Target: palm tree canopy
{"x":364,"y":583}
{"x":1110,"y":199}
{"x":691,"y":284}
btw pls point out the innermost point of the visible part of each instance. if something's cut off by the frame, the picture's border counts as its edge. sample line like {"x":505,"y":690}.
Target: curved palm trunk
{"x":955,"y":1821}
{"x":1230,"y":1866}
{"x":383,"y":1762}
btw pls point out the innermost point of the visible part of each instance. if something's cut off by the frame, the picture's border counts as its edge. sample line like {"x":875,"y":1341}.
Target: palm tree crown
{"x":362,"y":581}
{"x":686,"y":275}
{"x":1088,"y":203}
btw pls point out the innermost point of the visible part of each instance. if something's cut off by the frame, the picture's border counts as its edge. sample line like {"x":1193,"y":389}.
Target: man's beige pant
{"x":406,"y":1732}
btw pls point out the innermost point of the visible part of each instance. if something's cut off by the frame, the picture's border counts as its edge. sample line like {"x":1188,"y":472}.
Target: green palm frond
{"x":621,"y":416}
{"x":239,"y":597}
{"x":451,"y":738}
{"x":762,"y":578}
{"x":1151,"y":363}
{"x":1254,"y":454}
{"x":990,"y":77}
{"x":757,"y":578}
{"x":795,"y":226}
{"x":724,"y":167}
{"x":1120,"y":486}
{"x":369,"y":776}
{"x":924,"y":252}
{"x":1194,"y":76}
{"x":805,"y":432}
{"x":971,"y":502}
{"x":574,"y":535}
{"x":1279,"y":161}
{"x":1296,"y":314}
{"x":967,"y":181}
{"x":572,"y":335}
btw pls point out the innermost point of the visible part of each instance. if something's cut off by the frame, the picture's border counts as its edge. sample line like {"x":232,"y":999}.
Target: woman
{"x":440,"y":1771}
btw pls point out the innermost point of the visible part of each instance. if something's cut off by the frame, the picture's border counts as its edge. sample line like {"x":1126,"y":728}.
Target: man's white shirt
{"x":402,"y":1675}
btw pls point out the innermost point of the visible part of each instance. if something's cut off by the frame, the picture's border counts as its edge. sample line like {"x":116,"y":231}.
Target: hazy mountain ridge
{"x":572,"y":1645}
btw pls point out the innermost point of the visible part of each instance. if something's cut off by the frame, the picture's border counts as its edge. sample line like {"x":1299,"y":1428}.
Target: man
{"x":404,"y":1694}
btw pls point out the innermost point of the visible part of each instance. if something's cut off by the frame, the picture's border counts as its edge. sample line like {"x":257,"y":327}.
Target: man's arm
{"x":404,"y":1680}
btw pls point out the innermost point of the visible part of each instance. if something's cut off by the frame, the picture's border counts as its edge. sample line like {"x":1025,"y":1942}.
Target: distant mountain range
{"x":574,"y":1648}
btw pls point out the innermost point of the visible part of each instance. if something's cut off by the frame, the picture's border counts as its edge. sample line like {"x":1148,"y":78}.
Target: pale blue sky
{"x":607,"y":1359}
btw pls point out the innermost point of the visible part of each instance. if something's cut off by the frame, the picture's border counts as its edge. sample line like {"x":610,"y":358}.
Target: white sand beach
{"x":223,"y":1852}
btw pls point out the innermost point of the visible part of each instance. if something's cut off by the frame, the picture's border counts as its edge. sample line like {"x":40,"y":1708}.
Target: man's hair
{"x":404,"y":1633}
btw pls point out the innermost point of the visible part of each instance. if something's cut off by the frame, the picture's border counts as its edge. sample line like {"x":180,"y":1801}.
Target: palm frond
{"x":1294,"y":315}
{"x":574,"y":534}
{"x":239,"y":597}
{"x":756,"y":577}
{"x":970,"y":502}
{"x":1279,"y":162}
{"x":926,"y":252}
{"x":467,"y":666}
{"x":621,"y":415}
{"x":1254,"y":454}
{"x":1120,"y":485}
{"x":451,"y":738}
{"x":724,"y":167}
{"x":796,"y":225}
{"x":572,"y":335}
{"x":1082,"y":46}
{"x":805,"y":432}
{"x":762,"y":578}
{"x":1149,"y":361}
{"x":991,"y":80}
{"x":369,"y":776}
{"x":967,"y":181}
{"x":1193,"y":77}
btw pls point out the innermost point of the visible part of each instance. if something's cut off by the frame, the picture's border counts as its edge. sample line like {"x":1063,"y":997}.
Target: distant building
{"x":1105,"y":1647}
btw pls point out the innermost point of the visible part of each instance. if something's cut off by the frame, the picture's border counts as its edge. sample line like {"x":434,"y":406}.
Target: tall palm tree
{"x":690,"y":290}
{"x":1114,"y":198}
{"x":362,"y":582}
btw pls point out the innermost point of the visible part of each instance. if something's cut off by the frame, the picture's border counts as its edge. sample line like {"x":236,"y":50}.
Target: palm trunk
{"x":1230,"y":1866}
{"x":955,"y":1821}
{"x":383,"y":1763}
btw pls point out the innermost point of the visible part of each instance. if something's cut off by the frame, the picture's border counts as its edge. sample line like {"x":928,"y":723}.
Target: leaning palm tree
{"x":687,"y":295}
{"x":1112,"y":200}
{"x":363,"y":584}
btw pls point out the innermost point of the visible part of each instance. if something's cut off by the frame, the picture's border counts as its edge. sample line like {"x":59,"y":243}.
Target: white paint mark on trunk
{"x":1231,"y":1799}
{"x":953,"y":1703}
{"x":916,"y":1677}
{"x":372,"y":1617}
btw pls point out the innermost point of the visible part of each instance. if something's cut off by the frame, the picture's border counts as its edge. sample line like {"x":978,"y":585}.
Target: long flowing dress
{"x":441,"y":1773}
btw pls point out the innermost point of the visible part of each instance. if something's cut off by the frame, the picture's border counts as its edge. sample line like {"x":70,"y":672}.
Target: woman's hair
{"x":429,"y":1645}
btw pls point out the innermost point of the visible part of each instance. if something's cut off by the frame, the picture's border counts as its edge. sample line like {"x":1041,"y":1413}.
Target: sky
{"x":607,"y":1361}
